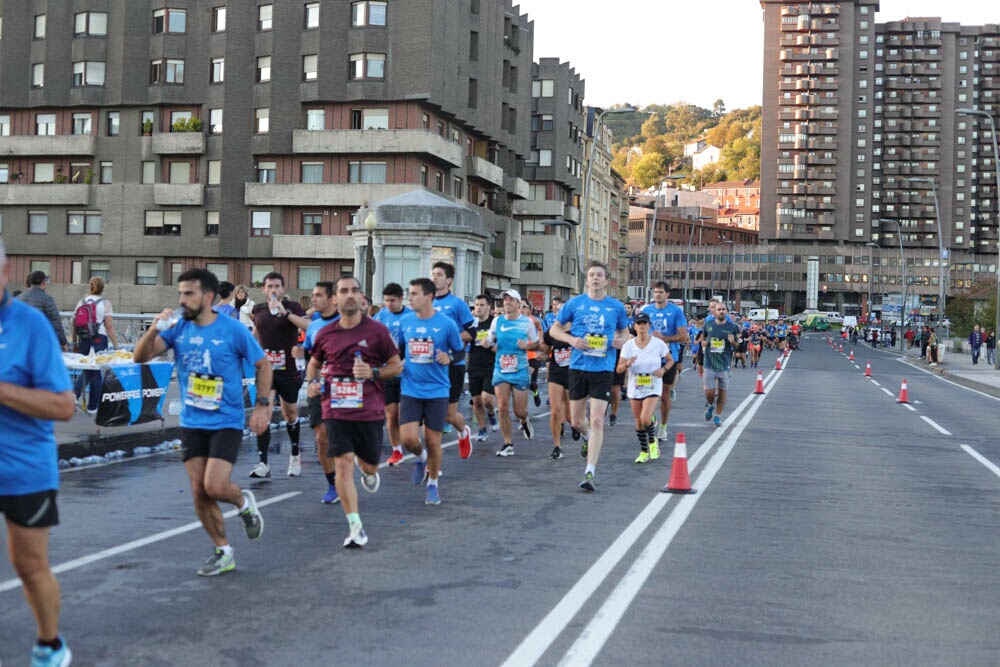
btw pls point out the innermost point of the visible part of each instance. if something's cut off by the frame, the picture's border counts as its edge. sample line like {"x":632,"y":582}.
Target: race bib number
{"x":204,"y":391}
{"x":277,"y":359}
{"x":642,"y":385}
{"x":562,"y":356}
{"x":420,"y":350}
{"x":717,"y":345}
{"x":597,"y":345}
{"x":508,"y":363}
{"x":644,"y":380}
{"x":482,"y":335}
{"x":346,"y":393}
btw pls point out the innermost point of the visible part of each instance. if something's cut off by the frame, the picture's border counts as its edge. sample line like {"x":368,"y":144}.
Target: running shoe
{"x":661,"y":433}
{"x":370,"y":483}
{"x":419,"y":472}
{"x":447,"y":428}
{"x":654,"y":449}
{"x":556,"y":454}
{"x":709,"y":409}
{"x":217,"y":563}
{"x":260,"y":471}
{"x":396,"y":458}
{"x":331,"y":497}
{"x":717,"y":421}
{"x":357,"y":537}
{"x":575,"y":433}
{"x":506,"y":450}
{"x":587,"y":484}
{"x":673,"y":394}
{"x":483,"y":435}
{"x":465,"y":443}
{"x":46,"y":656}
{"x":537,"y":398}
{"x":583,"y":447}
{"x":642,"y":458}
{"x":527,"y":429}
{"x":432,"y":497}
{"x":494,"y":424}
{"x":613,"y":420}
{"x":294,"y":465}
{"x":253,"y":522}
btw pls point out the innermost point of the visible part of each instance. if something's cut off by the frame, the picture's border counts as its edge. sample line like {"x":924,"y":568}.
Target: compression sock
{"x":331,"y":478}
{"x":264,"y":444}
{"x":293,"y":435}
{"x":643,"y":442}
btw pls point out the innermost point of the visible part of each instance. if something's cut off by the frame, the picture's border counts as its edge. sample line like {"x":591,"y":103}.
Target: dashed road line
{"x":940,"y":429}
{"x":992,"y":467}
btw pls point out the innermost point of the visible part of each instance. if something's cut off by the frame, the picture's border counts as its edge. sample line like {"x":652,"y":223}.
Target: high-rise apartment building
{"x":140,"y":139}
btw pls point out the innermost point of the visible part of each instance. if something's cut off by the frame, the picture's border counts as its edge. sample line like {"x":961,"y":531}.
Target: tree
{"x":719,"y":108}
{"x":648,"y":170}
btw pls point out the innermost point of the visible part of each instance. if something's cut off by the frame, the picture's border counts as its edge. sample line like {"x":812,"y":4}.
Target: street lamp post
{"x":870,"y":273}
{"x":996,"y":170}
{"x":902,"y":265}
{"x":729,"y":283}
{"x":942,"y":257}
{"x":687,"y":266}
{"x":371,"y":222}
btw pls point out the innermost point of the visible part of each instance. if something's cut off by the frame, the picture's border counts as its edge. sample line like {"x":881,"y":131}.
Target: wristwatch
{"x":263,"y":401}
{"x":315,"y":381}
{"x":376,"y":372}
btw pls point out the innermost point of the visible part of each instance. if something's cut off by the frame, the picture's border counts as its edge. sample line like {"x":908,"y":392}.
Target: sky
{"x":695,"y":51}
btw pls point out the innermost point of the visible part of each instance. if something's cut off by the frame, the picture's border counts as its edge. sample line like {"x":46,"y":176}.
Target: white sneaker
{"x":261,"y":470}
{"x":357,"y":538}
{"x":661,"y":434}
{"x":294,"y":465}
{"x":370,"y":483}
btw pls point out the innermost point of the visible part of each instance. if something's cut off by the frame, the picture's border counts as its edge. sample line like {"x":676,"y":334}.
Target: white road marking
{"x":874,"y":382}
{"x":888,"y":393}
{"x":909,"y":407}
{"x":982,"y":459}
{"x":930,"y":421}
{"x":533,"y":647}
{"x":11,"y":584}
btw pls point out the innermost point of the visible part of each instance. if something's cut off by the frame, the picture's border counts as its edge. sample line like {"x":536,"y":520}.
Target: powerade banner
{"x":249,"y":384}
{"x":133,"y":394}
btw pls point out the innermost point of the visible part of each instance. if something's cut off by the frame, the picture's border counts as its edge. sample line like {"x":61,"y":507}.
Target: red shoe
{"x":465,"y":444}
{"x":396,"y":458}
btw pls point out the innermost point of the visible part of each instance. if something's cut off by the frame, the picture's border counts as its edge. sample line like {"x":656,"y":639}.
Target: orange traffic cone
{"x":777,"y":363}
{"x":852,"y":355}
{"x":760,"y":383}
{"x":680,"y":481}
{"x":868,"y":369}
{"x":786,"y":352}
{"x":841,"y":348}
{"x":904,"y":395}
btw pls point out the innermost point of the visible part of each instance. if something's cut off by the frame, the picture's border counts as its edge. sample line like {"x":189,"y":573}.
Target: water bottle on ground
{"x":174,"y":407}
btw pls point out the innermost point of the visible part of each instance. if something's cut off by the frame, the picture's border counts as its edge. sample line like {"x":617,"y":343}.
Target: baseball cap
{"x":512,"y":293}
{"x":37,"y":278}
{"x":641,"y":318}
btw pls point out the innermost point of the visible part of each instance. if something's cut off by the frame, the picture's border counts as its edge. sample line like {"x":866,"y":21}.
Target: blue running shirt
{"x":391,"y":319}
{"x":596,"y":321}
{"x":667,"y":321}
{"x":456,"y":309}
{"x":423,"y":376}
{"x":511,"y":361}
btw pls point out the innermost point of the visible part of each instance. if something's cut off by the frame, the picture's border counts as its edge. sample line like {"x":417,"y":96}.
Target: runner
{"x":513,"y":334}
{"x":34,"y":390}
{"x":593,"y":323}
{"x":430,"y":341}
{"x":558,"y":379}
{"x":392,"y":312}
{"x":352,"y":355}
{"x":481,"y":360}
{"x":719,"y":341}
{"x":646,"y":359}
{"x":534,"y":361}
{"x":325,"y":312}
{"x":276,"y":326}
{"x":449,"y":305}
{"x":210,"y":350}
{"x":668,"y":323}
{"x":554,"y":305}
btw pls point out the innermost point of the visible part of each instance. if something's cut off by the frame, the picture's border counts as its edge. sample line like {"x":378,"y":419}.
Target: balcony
{"x":540,"y":208}
{"x":483,"y":170}
{"x":361,"y":142}
{"x":286,"y":246}
{"x":307,"y":194}
{"x":573,"y":214}
{"x":517,"y":187}
{"x":169,"y":194}
{"x":63,"y":145}
{"x":179,"y":143}
{"x":45,"y":195}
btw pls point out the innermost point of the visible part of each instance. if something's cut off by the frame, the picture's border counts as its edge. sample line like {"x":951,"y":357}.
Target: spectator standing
{"x":225,"y":305}
{"x":97,"y":342}
{"x":991,"y":348}
{"x":932,"y":347}
{"x":976,"y":341}
{"x":36,"y":296}
{"x":244,"y":304}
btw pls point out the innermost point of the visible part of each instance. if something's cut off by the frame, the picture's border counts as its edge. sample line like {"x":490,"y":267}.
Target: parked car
{"x":816,"y":323}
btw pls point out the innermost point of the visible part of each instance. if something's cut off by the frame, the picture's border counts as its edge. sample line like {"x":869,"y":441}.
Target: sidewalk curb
{"x":951,"y":376}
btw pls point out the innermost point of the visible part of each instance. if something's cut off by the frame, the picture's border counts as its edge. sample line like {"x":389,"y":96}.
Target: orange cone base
{"x":669,"y":490}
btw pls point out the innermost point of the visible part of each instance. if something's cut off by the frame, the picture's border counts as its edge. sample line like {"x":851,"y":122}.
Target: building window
{"x":545,"y":157}
{"x":263,"y":69}
{"x":369,"y":119}
{"x":4,"y":172}
{"x":180,"y":173}
{"x":166,"y":71}
{"x":107,"y":171}
{"x":214,"y":172}
{"x":423,"y":176}
{"x":439,"y":181}
{"x":218,"y":73}
{"x":543,"y":88}
{"x":265,"y":14}
{"x":40,"y":26}
{"x":144,"y":126}
{"x":148,"y":173}
{"x":113,"y":122}
{"x":315,"y":119}
{"x":215,"y":121}
{"x":367,"y":66}
{"x":310,"y":67}
{"x":312,"y":224}
{"x":473,"y":93}
{"x":369,"y":12}
{"x":218,"y":19}
{"x":258,"y":271}
{"x":212,"y":227}
{"x":163,"y":223}
{"x":312,"y":15}
{"x":101,"y":269}
{"x":261,"y":223}
{"x":4,"y":125}
{"x":308,"y":277}
{"x":169,"y":20}
{"x":88,"y":73}
{"x":366,"y":172}
{"x":78,"y":172}
{"x":38,"y":222}
{"x":401,"y":263}
{"x":532,"y":261}
{"x":45,"y":172}
{"x":267,"y":172}
{"x":83,"y":222}
{"x":38,"y":75}
{"x":262,"y":120}
{"x":90,"y":23}
{"x":147,"y":273}
{"x":312,"y":172}
{"x":81,"y":123}
{"x":473,"y":45}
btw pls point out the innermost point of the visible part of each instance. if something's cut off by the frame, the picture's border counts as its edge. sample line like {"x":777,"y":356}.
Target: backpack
{"x":85,"y":318}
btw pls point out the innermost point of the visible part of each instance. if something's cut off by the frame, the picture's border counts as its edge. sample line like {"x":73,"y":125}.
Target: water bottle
{"x":174,"y":407}
{"x":274,"y":301}
{"x":300,"y":362}
{"x":163,"y":325}
{"x":357,"y":358}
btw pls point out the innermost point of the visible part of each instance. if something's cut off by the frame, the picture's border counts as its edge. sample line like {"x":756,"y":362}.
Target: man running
{"x":34,"y":390}
{"x":719,"y":341}
{"x":513,"y":334}
{"x":210,"y":350}
{"x":430,"y":342}
{"x":669,"y":325}
{"x":534,"y":361}
{"x":481,"y":360}
{"x":277,"y":322}
{"x":324,"y":304}
{"x":594,"y":324}
{"x":352,"y":355}
{"x":555,"y":304}
{"x":391,"y":314}
{"x":449,"y":305}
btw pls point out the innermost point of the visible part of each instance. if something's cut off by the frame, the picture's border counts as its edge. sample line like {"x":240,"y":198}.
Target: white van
{"x":762,"y":314}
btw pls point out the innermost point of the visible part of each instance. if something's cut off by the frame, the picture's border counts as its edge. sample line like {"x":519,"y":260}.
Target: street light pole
{"x":687,"y":266}
{"x":870,"y":275}
{"x":902,"y":263}
{"x":729,"y":283}
{"x":371,"y":222}
{"x":996,"y":170}
{"x":941,"y":259}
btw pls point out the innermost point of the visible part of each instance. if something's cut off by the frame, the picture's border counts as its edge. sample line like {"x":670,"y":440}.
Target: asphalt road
{"x":831,"y":525}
